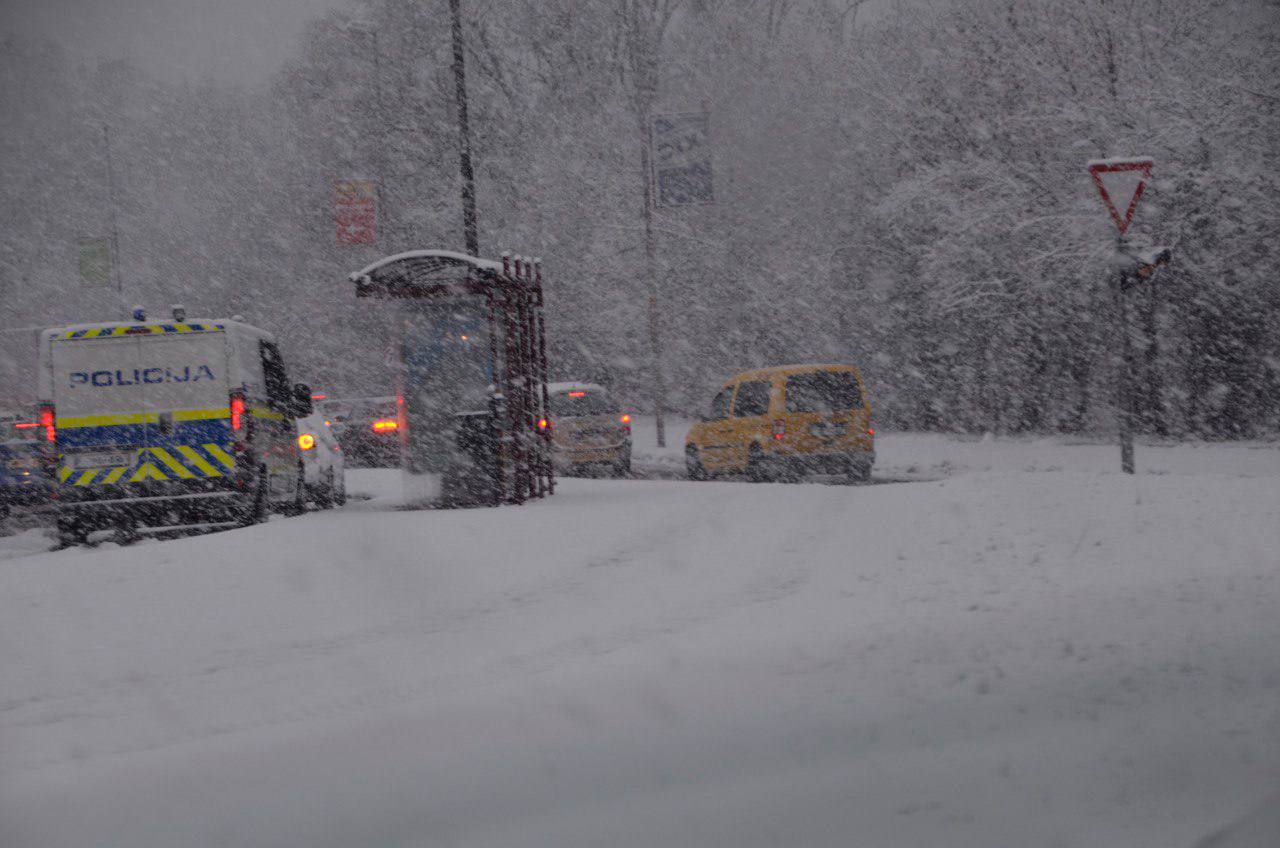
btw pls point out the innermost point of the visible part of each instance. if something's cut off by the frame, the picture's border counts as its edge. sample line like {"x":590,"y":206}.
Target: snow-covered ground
{"x":919,"y":456}
{"x":1023,"y":648}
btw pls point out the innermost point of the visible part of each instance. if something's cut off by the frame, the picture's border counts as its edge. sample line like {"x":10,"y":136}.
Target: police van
{"x":157,"y":427}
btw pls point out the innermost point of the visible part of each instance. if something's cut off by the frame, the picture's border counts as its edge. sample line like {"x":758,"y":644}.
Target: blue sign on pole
{"x":681,"y":159}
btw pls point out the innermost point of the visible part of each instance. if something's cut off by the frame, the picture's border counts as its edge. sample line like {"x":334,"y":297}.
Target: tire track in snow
{"x":779,"y":548}
{"x":123,"y":692}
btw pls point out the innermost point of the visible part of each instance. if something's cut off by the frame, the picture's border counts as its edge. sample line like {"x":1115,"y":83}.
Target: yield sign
{"x":1121,"y":180}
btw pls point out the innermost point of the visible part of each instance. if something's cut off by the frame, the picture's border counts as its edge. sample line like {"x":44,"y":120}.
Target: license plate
{"x":827,"y":430}
{"x":24,"y":462}
{"x":100,"y":460}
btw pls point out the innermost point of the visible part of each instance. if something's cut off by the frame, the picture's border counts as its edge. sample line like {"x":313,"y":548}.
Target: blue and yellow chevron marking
{"x":181,"y":462}
{"x":197,"y":447}
{"x":141,"y":330}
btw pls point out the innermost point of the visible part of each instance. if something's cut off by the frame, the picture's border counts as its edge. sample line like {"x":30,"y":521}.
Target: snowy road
{"x":1034,"y":651}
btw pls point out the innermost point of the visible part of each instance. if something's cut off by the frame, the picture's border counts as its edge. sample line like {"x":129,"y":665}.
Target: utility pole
{"x":381,"y":191}
{"x":380,"y":115}
{"x":111,"y":209}
{"x":651,"y":276}
{"x":380,"y":163}
{"x":470,"y":231}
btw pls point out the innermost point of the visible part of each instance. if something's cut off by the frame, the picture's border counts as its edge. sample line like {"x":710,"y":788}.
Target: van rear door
{"x":100,"y":423}
{"x":826,"y":411}
{"x":186,"y":393}
{"x":133,"y":408}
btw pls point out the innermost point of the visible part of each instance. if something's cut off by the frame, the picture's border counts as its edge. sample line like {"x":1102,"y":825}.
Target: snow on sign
{"x":1121,"y":180}
{"x":681,"y":159}
{"x":355,"y":211}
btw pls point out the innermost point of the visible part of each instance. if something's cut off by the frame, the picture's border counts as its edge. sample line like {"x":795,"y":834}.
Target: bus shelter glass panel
{"x":446,"y":383}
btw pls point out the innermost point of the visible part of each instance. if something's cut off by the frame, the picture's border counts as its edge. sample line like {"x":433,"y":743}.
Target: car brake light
{"x":779,"y":429}
{"x":25,"y":425}
{"x":306,"y":441}
{"x":870,"y":432}
{"x":385,"y":425}
{"x":577,"y":394}
{"x":625,"y":419}
{"x":237,"y":411}
{"x":319,"y":396}
{"x":543,"y":423}
{"x":49,"y":422}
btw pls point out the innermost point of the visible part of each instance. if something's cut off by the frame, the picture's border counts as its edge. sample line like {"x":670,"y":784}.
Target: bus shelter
{"x":472,"y":378}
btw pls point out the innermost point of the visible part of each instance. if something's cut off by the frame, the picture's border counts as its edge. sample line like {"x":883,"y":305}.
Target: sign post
{"x":677,"y":164}
{"x":1124,"y":385}
{"x":1123,"y":180}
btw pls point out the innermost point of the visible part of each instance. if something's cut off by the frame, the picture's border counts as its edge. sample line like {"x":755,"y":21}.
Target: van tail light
{"x":48,"y":422}
{"x":237,"y":411}
{"x":779,"y":429}
{"x":871,"y":431}
{"x":544,"y":425}
{"x":624,"y":422}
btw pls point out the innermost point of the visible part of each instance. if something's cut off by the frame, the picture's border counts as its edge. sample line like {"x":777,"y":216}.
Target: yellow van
{"x":776,"y":423}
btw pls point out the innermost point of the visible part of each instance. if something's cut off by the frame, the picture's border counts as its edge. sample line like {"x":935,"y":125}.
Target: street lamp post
{"x":381,"y":189}
{"x":469,"y":229}
{"x":111,"y":206}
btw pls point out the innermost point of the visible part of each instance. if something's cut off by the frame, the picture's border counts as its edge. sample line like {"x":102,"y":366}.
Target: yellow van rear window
{"x":823,"y":391}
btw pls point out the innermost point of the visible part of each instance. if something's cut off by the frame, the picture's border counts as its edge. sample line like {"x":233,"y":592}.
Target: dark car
{"x":368,"y":430}
{"x":22,"y":478}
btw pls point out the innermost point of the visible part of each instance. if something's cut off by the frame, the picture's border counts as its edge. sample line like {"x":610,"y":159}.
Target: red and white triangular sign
{"x":1123,"y":180}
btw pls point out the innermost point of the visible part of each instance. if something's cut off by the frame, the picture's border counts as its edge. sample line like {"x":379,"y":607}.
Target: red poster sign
{"x":355,"y":211}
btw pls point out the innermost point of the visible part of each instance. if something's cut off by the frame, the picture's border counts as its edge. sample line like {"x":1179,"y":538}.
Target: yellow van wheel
{"x":758,"y":470}
{"x":693,"y":466}
{"x":859,"y":472}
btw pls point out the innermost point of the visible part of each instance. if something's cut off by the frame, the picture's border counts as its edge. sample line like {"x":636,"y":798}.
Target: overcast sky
{"x":229,"y":41}
{"x":239,"y":41}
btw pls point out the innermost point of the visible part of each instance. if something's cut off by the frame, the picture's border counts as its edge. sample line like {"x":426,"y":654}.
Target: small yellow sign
{"x":95,"y":262}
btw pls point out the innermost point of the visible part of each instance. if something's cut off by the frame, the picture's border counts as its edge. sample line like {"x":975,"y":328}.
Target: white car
{"x":323,"y":465}
{"x":588,"y":429}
